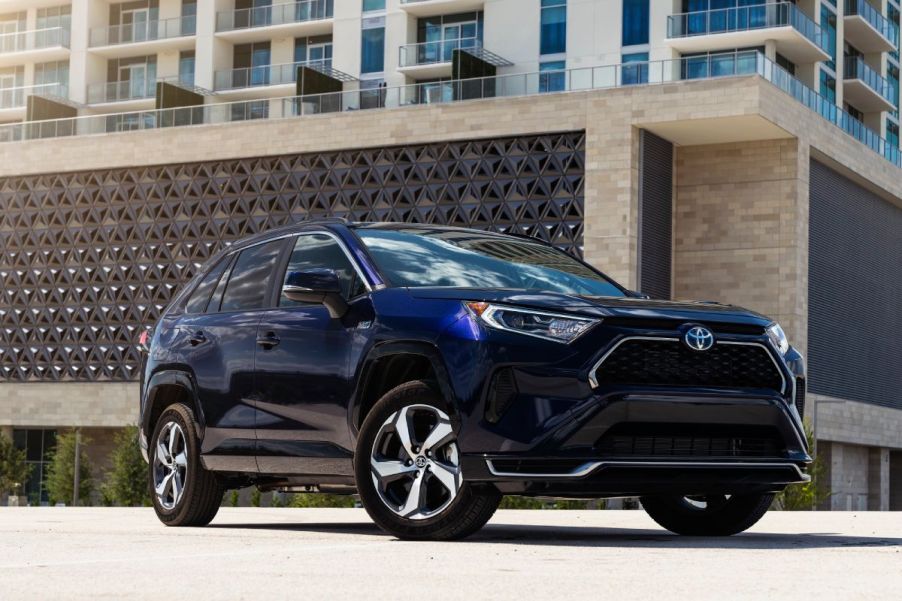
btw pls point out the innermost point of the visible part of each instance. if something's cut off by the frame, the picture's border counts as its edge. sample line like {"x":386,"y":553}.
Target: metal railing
{"x":430,"y":53}
{"x":12,"y":98}
{"x":265,"y":75}
{"x":119,"y":91}
{"x":148,"y":31}
{"x":875,"y":18}
{"x":857,"y":68}
{"x":726,"y":65}
{"x":274,"y":14}
{"x":746,"y":18}
{"x":36,"y":39}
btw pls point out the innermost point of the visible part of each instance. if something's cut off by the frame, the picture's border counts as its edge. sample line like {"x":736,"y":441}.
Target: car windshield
{"x":421,"y":257}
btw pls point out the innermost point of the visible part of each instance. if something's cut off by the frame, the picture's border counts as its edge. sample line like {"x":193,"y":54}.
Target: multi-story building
{"x":740,"y":150}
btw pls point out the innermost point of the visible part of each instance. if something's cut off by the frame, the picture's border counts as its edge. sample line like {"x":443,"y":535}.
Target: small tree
{"x":13,"y":469}
{"x":809,"y":495}
{"x":60,"y":480}
{"x":126,"y":483}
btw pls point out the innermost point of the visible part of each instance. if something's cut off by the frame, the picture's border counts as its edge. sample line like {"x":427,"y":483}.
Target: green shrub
{"x":127,"y":481}
{"x":60,"y":479}
{"x":13,"y":469}
{"x":233,"y":498}
{"x":513,"y":502}
{"x":255,"y":497}
{"x":320,"y":500}
{"x":809,"y":495}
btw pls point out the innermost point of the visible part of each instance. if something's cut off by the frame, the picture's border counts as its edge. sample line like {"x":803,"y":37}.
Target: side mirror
{"x":320,"y":286}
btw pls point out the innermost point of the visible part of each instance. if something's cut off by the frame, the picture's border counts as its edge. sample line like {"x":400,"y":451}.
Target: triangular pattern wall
{"x":88,"y":258}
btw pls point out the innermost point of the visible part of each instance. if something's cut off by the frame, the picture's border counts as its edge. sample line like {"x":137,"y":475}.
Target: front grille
{"x":641,"y":362}
{"x":665,"y":440}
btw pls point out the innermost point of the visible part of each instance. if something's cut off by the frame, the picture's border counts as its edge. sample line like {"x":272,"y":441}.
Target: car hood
{"x":600,"y":306}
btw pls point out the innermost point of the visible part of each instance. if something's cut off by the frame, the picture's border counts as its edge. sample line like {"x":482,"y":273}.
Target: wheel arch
{"x":391,"y":364}
{"x":164,"y":389}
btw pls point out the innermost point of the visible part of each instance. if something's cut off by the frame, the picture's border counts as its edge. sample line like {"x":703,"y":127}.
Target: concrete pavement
{"x":262,"y":554}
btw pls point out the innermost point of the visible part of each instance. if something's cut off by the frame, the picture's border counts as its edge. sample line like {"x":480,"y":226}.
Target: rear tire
{"x":184,"y":493}
{"x":393,"y":462}
{"x":718,"y":516}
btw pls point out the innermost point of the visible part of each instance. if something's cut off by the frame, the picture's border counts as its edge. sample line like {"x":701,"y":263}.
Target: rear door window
{"x":251,"y":279}
{"x":197,"y":302}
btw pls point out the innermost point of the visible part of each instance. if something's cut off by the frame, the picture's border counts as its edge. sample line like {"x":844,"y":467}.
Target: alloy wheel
{"x":415,"y":463}
{"x":170,"y":465}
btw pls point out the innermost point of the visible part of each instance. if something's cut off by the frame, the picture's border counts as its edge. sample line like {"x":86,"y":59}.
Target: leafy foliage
{"x":321,"y":500}
{"x":808,"y":495}
{"x":60,"y":479}
{"x":127,"y":481}
{"x":512,"y":502}
{"x":14,"y":471}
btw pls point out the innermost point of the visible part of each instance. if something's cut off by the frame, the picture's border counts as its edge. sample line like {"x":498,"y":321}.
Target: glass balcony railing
{"x":746,"y":18}
{"x":875,"y":19}
{"x":149,"y":31}
{"x":857,"y":68}
{"x":13,"y":98}
{"x":266,"y":75}
{"x":21,"y":41}
{"x":430,"y":53}
{"x":725,"y":65}
{"x":119,"y":91}
{"x":274,"y":14}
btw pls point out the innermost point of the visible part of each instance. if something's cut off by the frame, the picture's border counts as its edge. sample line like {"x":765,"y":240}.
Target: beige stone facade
{"x":740,"y":212}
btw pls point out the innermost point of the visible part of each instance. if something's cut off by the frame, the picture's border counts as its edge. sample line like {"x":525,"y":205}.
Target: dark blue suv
{"x":431,"y":370}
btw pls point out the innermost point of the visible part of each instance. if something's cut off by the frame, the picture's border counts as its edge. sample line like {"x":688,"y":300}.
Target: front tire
{"x":184,"y":493}
{"x":713,"y":515}
{"x":408,"y":472}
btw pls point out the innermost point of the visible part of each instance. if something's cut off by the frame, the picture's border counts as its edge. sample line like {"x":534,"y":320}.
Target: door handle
{"x":268,"y":340}
{"x":197,"y":337}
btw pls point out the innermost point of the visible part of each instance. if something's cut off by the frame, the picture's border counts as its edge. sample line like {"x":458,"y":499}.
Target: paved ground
{"x":265,"y":554}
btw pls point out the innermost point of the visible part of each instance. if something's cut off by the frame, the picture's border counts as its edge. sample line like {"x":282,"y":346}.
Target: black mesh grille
{"x":670,"y":363}
{"x":664,"y":440}
{"x":501,"y":394}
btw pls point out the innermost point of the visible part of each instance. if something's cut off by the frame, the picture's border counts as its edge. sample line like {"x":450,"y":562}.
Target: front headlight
{"x":778,"y":337}
{"x":550,"y":326}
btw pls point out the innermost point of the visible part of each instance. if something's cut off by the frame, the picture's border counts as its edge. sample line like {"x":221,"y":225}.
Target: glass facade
{"x":634,"y":69}
{"x":552,"y":76}
{"x":373,"y":5}
{"x":553,"y":27}
{"x":828,"y":26}
{"x":372,"y":47}
{"x":38,"y":445}
{"x":635,"y":22}
{"x":828,"y":86}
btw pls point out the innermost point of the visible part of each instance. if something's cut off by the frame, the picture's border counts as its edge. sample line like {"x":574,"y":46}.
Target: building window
{"x":635,"y":22}
{"x":828,"y":86}
{"x":373,"y":5}
{"x":372,"y":93}
{"x":892,"y":133}
{"x":314,"y":49}
{"x":186,"y":67}
{"x":554,"y":27}
{"x":828,"y":25}
{"x":786,"y":64}
{"x":57,"y":16}
{"x":47,"y":74}
{"x":634,"y":69}
{"x":552,"y":76}
{"x":38,"y":446}
{"x":372,"y":47}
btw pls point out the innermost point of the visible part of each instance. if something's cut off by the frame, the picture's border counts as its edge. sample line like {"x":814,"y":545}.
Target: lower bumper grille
{"x":670,"y":363}
{"x":800,"y":396}
{"x":652,"y":440}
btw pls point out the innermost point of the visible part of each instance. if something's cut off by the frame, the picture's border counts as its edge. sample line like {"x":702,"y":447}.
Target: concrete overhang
{"x":790,"y":42}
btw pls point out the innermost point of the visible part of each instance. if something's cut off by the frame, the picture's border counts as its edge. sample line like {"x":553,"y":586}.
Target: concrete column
{"x":848,"y":477}
{"x":212,"y":54}
{"x":878,"y":479}
{"x":85,"y":68}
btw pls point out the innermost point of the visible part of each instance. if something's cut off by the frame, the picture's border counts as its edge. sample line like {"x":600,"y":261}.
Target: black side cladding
{"x":854,"y":292}
{"x":655,"y":215}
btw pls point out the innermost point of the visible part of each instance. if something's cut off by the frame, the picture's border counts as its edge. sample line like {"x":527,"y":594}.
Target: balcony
{"x":137,"y":39}
{"x":135,"y":91}
{"x":867,"y":29}
{"x":14,"y":100}
{"x":295,"y":19}
{"x":865,"y":89}
{"x":38,"y":45}
{"x":275,"y":80}
{"x":797,"y":36}
{"x":433,"y":8}
{"x":427,"y":60}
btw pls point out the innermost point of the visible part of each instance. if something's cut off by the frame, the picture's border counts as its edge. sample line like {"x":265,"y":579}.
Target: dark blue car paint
{"x":293,"y":408}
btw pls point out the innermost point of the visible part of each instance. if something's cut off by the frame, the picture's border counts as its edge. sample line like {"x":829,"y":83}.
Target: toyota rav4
{"x":431,"y":370}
